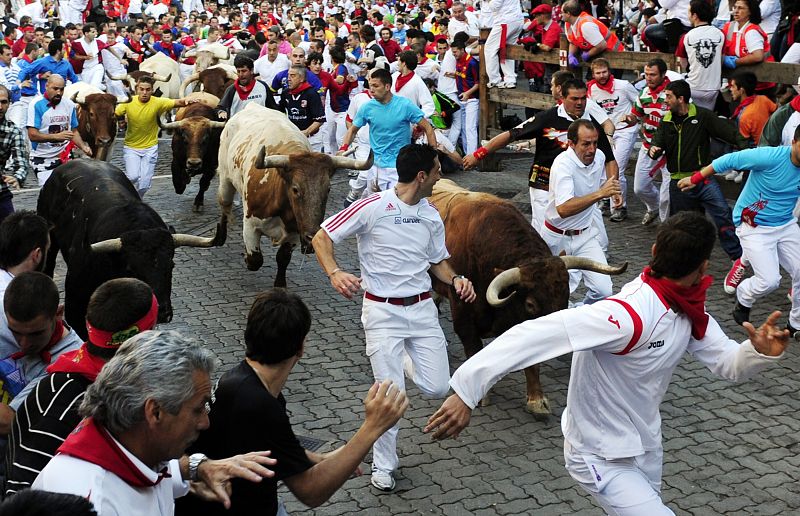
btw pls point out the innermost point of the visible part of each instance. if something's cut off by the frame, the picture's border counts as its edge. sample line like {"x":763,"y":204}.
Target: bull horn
{"x":577,"y":262}
{"x":189,"y":80}
{"x":276,"y":161}
{"x":161,"y":78}
{"x":190,"y":53}
{"x":217,"y":125}
{"x":111,"y":245}
{"x":74,"y":98}
{"x":232,"y":76}
{"x":124,"y":100}
{"x":182,"y":239}
{"x":352,"y":163}
{"x":169,"y":126}
{"x":123,"y":77}
{"x":503,"y":280}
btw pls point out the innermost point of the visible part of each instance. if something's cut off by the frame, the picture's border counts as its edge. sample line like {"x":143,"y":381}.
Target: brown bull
{"x":493,"y":244}
{"x":195,"y":147}
{"x":213,"y":80}
{"x":97,"y":123}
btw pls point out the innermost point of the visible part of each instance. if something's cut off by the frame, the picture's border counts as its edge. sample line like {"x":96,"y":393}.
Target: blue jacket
{"x":43,"y":65}
{"x":281,"y":81}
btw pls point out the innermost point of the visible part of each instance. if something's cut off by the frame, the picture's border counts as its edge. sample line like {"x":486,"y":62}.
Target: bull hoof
{"x":540,"y":409}
{"x":197,"y":208}
{"x":486,"y":400}
{"x":254,"y":261}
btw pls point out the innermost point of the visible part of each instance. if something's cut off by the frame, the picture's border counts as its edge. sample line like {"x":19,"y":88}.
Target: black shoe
{"x":793,"y":334}
{"x":618,"y":214}
{"x":741,"y":314}
{"x":605,"y":207}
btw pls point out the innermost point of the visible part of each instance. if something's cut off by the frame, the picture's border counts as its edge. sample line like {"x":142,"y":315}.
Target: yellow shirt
{"x":142,"y":130}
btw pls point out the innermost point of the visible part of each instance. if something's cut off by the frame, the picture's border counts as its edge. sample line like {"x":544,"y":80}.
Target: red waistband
{"x":566,"y":232}
{"x":399,"y":301}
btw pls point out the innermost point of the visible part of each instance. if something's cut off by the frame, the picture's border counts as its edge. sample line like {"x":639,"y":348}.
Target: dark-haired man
{"x":625,"y":350}
{"x":244,"y":90}
{"x":118,"y":309}
{"x":400,"y":319}
{"x":40,"y":336}
{"x":249,"y":412}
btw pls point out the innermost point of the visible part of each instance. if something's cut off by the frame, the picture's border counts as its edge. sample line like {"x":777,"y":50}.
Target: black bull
{"x":105,"y":231}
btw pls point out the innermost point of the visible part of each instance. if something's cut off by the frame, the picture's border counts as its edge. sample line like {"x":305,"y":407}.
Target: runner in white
{"x":625,"y":349}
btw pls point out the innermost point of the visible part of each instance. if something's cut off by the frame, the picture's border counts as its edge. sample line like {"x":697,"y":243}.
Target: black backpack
{"x":449,"y":107}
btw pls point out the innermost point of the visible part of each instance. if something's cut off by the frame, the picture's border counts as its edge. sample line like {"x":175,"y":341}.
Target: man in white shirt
{"x":447,"y":84}
{"x":124,"y":456}
{"x":625,"y":350}
{"x":271,"y":63}
{"x":576,"y":185}
{"x":400,"y":238}
{"x":463,"y":21}
{"x":701,"y":51}
{"x":406,"y":83}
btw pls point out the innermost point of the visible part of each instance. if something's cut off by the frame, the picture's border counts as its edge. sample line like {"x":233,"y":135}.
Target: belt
{"x":399,"y":301}
{"x":565,"y":232}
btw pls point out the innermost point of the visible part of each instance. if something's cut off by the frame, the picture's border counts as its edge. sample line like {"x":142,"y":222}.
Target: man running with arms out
{"x":626,"y":348}
{"x":765,"y":224}
{"x":400,"y":237}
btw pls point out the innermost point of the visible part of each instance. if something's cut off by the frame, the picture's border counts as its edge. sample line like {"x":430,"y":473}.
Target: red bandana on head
{"x":92,"y":443}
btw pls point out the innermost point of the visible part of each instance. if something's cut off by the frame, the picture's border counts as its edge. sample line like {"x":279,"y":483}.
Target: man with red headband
{"x":118,"y":310}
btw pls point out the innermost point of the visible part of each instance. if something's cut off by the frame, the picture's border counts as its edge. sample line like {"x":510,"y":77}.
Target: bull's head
{"x":541,"y":285}
{"x":213,"y":81}
{"x":98,"y":121}
{"x":307,"y":177}
{"x":195,"y":132}
{"x":148,"y":254}
{"x":209,"y":56}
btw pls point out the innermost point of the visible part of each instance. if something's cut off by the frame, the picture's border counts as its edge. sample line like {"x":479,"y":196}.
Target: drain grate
{"x":310,"y":443}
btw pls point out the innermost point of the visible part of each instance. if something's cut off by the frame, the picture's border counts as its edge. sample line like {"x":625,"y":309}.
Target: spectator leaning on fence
{"x":587,"y":36}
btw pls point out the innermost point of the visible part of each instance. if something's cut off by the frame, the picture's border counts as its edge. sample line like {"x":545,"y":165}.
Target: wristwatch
{"x":195,"y":460}
{"x":457,"y":276}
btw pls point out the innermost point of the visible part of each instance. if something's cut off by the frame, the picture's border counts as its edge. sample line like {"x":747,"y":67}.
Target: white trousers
{"x":140,"y":165}
{"x":94,"y":76}
{"x":116,"y":88}
{"x":18,"y":113}
{"x":646,"y":171}
{"x":315,"y":140}
{"x":629,"y":486}
{"x":491,"y":52}
{"x":391,"y":333}
{"x":599,"y":224}
{"x":705,"y":98}
{"x":539,"y":200}
{"x":469,"y":125}
{"x":454,"y":132}
{"x":376,"y":179}
{"x":587,"y":244}
{"x":624,"y":140}
{"x":69,"y":14}
{"x":767,"y":249}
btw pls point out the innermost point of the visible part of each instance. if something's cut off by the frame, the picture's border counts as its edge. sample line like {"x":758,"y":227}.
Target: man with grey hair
{"x":303,"y":105}
{"x":148,"y":404}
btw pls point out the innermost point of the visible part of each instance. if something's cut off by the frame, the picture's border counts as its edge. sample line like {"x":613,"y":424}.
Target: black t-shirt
{"x":549,"y":129}
{"x":245,"y":417}
{"x":302,"y":108}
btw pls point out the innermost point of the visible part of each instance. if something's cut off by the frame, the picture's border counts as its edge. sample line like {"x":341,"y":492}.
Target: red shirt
{"x":390,"y":49}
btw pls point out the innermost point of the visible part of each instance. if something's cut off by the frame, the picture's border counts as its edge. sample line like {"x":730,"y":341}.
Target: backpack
{"x":445,"y":108}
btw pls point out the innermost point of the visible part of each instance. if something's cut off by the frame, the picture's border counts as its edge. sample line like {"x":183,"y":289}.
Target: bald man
{"x":52,"y":129}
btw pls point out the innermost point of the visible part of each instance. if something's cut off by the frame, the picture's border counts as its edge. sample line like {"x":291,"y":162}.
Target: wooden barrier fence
{"x":492,"y":100}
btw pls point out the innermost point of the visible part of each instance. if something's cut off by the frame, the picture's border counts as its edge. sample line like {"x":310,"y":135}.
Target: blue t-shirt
{"x":389,"y":127}
{"x":281,"y":81}
{"x":771,"y":191}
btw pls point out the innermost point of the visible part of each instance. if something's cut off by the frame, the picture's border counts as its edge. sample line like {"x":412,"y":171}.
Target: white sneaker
{"x":508,"y":85}
{"x":383,"y":481}
{"x":408,"y":366}
{"x":739,"y":177}
{"x":730,"y":176}
{"x":491,"y":85}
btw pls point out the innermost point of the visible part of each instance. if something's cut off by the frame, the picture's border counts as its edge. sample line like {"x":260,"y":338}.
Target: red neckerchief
{"x":655,"y":92}
{"x":689,"y":300}
{"x":45,"y":355}
{"x":49,"y":102}
{"x":92,"y":443}
{"x":300,"y":88}
{"x":244,"y":91}
{"x":743,"y":104}
{"x":609,"y":87}
{"x":168,"y":48}
{"x":79,"y":361}
{"x":401,"y":81}
{"x":26,"y":57}
{"x":422,"y":60}
{"x":795,"y":103}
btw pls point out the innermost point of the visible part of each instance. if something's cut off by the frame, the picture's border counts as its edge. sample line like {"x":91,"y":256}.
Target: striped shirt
{"x":650,"y":107}
{"x":42,"y":423}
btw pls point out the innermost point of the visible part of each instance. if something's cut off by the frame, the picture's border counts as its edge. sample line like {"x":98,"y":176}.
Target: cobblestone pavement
{"x":729,"y":449}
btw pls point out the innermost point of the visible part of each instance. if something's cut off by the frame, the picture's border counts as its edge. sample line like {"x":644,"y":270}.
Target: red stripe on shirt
{"x":344,"y":215}
{"x":637,"y":326}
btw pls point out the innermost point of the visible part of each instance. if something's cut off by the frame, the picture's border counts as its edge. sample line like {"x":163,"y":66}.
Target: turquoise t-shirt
{"x":389,"y":127}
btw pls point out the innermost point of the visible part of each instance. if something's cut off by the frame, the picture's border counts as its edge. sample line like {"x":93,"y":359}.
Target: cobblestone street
{"x":729,"y":449}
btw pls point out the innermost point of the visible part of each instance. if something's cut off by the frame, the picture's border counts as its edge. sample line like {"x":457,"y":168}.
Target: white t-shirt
{"x":787,"y":134}
{"x":590,"y":32}
{"x":625,"y":350}
{"x":753,"y":40}
{"x":90,"y":48}
{"x":447,"y":85}
{"x":156,"y":9}
{"x":704,"y":52}
{"x":470,"y":26}
{"x":358,"y":100}
{"x":569,"y":178}
{"x":268,"y":70}
{"x":616,"y":104}
{"x":593,"y":110}
{"x":415,"y":91}
{"x":397,"y":243}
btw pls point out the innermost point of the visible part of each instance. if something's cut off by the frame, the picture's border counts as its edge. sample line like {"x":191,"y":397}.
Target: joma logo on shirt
{"x":656,"y":344}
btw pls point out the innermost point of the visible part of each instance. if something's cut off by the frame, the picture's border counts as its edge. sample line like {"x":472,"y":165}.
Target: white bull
{"x":210,"y":55}
{"x":283,"y":184}
{"x":164,"y":70}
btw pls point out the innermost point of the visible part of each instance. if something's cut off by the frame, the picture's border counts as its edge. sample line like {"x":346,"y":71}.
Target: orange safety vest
{"x":731,"y":49}
{"x":612,"y":43}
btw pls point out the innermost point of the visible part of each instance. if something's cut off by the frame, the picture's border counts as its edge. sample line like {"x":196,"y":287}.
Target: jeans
{"x":708,"y":197}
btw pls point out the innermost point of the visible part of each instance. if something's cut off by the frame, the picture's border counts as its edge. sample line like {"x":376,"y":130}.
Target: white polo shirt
{"x":570,"y":178}
{"x":397,"y":243}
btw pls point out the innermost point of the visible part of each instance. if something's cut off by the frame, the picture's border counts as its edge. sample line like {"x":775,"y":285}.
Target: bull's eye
{"x":296,"y":191}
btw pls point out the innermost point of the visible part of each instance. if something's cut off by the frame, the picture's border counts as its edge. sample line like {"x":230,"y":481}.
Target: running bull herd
{"x":104,"y":230}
